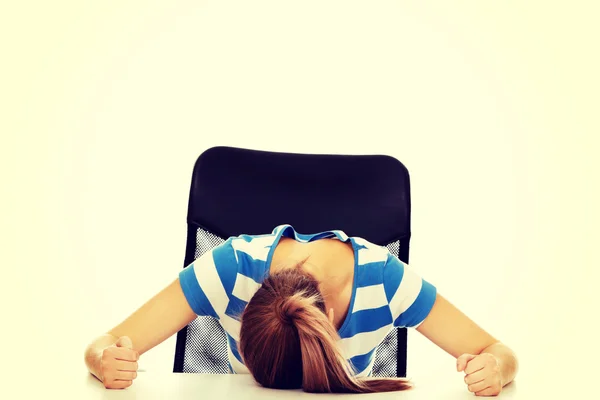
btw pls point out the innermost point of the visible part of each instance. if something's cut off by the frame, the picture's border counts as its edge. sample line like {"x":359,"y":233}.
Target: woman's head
{"x":288,"y":342}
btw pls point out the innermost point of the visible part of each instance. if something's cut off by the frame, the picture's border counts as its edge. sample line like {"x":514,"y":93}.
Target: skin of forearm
{"x":507,"y":361}
{"x":94,"y":351}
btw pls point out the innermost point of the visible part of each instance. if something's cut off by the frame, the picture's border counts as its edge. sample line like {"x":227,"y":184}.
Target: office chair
{"x":238,"y":191}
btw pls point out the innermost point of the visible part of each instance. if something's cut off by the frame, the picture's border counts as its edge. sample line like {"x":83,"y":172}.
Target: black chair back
{"x":238,"y":191}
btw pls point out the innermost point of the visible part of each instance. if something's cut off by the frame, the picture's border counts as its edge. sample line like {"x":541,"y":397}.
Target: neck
{"x":329,"y":262}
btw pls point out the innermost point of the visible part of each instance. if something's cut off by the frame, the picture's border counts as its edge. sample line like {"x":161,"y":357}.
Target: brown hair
{"x":287,"y":341}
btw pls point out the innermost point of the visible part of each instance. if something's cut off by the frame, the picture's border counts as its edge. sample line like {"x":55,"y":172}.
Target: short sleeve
{"x":410,"y":297}
{"x":208,"y":281}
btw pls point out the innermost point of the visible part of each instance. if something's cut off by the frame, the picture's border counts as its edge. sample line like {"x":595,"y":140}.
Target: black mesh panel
{"x":386,"y":354}
{"x":206,"y":342}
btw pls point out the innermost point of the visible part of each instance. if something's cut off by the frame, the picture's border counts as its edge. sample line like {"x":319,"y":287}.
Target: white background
{"x":492,"y":107}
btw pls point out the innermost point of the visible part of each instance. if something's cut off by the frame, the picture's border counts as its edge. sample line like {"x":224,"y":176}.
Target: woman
{"x":304,"y":311}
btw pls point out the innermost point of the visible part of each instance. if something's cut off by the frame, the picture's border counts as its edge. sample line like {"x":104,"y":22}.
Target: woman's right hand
{"x":118,"y":365}
{"x":111,"y":357}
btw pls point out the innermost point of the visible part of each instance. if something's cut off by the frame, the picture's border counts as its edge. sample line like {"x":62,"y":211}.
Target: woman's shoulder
{"x":244,"y":256}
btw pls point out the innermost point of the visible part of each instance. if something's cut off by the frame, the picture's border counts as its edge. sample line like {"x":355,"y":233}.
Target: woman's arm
{"x":159,"y":318}
{"x":454,"y":332}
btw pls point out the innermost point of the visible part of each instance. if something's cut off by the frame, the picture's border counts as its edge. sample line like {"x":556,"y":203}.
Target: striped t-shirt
{"x":386,"y":293}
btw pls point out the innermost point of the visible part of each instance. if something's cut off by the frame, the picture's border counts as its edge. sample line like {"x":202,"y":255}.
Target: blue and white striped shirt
{"x":386,"y":293}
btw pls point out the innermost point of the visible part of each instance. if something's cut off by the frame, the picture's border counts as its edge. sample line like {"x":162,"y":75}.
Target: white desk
{"x":200,"y":386}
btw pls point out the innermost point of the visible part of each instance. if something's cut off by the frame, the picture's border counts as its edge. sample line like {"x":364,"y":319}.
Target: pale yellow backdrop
{"x":491,"y":105}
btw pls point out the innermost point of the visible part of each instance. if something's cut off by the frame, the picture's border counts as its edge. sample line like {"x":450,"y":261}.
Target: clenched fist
{"x":482,"y":373}
{"x":118,"y":364}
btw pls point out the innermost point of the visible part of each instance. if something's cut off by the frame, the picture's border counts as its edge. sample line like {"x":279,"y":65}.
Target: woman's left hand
{"x":482,"y":373}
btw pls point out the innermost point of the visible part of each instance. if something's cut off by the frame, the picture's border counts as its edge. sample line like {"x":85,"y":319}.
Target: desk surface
{"x":200,"y":386}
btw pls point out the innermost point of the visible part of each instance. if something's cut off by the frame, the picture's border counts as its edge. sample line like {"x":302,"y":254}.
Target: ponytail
{"x":287,"y":341}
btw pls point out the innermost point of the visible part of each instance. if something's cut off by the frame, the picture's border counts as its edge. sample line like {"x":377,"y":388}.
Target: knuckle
{"x":106,"y":367}
{"x":134,"y":375}
{"x":107,"y":377}
{"x":131,"y":356}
